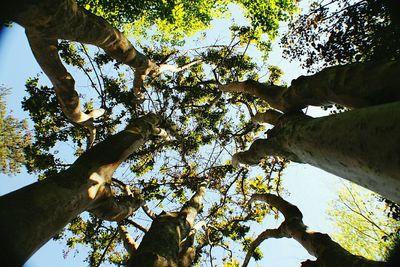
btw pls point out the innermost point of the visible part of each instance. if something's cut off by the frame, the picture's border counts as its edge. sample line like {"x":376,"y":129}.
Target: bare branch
{"x":149,"y":212}
{"x":138,"y":226}
{"x":106,"y":249}
{"x":269,"y":233}
{"x":167,"y":67}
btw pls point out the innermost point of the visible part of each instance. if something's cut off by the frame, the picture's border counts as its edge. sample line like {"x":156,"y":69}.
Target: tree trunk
{"x":162,"y":245}
{"x":32,"y":215}
{"x":46,"y":21}
{"x":327,"y":252}
{"x":362,"y":146}
{"x":353,"y":85}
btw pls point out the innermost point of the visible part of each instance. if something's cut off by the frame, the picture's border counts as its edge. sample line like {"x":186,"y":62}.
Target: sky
{"x":307,"y":187}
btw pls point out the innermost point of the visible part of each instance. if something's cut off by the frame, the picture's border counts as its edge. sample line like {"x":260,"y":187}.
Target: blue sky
{"x":308,"y":188}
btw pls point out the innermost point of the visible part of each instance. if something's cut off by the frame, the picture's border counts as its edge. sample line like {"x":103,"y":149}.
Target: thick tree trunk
{"x":162,"y":245}
{"x":354,"y":85}
{"x":362,"y":146}
{"x":327,"y":252}
{"x":30,"y":216}
{"x":46,"y":21}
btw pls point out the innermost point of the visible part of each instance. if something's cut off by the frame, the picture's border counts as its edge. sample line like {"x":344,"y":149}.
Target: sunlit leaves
{"x":14,"y":137}
{"x":266,"y":15}
{"x":205,"y":127}
{"x":362,"y":225}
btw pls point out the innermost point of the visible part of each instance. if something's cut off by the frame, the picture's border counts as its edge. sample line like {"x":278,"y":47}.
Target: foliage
{"x":204,"y":128}
{"x":361,"y":222}
{"x":165,"y":20}
{"x":344,"y":31}
{"x":266,"y":15}
{"x":14,"y":137}
{"x":172,"y":21}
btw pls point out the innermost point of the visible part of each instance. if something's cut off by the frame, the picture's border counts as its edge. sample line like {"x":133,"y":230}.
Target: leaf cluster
{"x":343,"y":31}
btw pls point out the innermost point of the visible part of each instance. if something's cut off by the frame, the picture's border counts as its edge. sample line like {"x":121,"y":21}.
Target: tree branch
{"x":269,"y":233}
{"x":193,"y":206}
{"x":327,"y":252}
{"x":270,"y":116}
{"x":353,"y":85}
{"x":259,"y":149}
{"x":149,"y":212}
{"x":117,"y":208}
{"x":129,"y":243}
{"x":138,"y":226}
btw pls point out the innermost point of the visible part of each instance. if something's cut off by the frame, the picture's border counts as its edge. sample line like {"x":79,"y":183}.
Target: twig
{"x":105,"y":250}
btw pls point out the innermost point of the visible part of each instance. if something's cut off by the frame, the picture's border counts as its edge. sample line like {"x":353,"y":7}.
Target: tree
{"x":342,"y":32}
{"x":66,"y":20}
{"x":170,"y":238}
{"x":13,"y":139}
{"x":327,"y":252}
{"x":360,"y":154}
{"x":196,"y":115}
{"x":362,"y":226}
{"x":175,"y":118}
{"x":42,"y":209}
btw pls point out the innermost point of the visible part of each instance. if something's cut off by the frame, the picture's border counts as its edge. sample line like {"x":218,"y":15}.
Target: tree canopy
{"x":13,"y":139}
{"x":363,"y":225}
{"x":339,"y":32}
{"x":205,"y":102}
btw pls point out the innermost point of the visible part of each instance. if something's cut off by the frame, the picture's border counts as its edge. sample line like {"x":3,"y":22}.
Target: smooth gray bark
{"x":32,"y":215}
{"x":362,"y":146}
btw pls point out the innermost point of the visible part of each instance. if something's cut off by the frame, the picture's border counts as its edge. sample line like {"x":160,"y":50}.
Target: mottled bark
{"x":46,"y":21}
{"x":270,"y":116}
{"x":327,"y":252}
{"x":354,"y":85}
{"x":32,"y":215}
{"x":117,"y":208}
{"x":362,"y":146}
{"x":162,"y":245}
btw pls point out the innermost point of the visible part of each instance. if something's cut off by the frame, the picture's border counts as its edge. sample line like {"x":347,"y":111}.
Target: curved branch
{"x":270,"y":116}
{"x":117,"y":208}
{"x":46,"y":54}
{"x":269,"y":233}
{"x":47,"y":21}
{"x":327,"y":252}
{"x":259,"y":149}
{"x":353,"y":85}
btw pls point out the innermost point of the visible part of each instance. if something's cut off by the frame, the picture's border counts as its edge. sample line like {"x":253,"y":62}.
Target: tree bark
{"x":32,"y":215}
{"x":162,"y":244}
{"x":46,"y":21}
{"x":327,"y":252}
{"x":354,"y":85}
{"x":362,"y":146}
